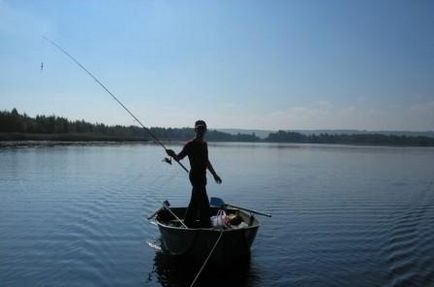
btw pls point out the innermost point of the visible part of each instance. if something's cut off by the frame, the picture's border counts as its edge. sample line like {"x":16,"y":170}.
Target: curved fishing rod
{"x":156,"y":140}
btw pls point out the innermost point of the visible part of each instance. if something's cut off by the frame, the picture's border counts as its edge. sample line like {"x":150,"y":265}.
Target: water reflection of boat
{"x":179,"y":271}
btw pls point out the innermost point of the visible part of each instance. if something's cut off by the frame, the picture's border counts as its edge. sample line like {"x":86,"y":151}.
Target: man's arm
{"x":177,"y":157}
{"x":211,"y":169}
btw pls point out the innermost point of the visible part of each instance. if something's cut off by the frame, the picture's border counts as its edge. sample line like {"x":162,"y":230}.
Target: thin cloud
{"x":325,"y":115}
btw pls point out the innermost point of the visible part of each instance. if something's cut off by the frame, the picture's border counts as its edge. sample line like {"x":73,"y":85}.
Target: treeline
{"x":16,"y":126}
{"x":353,"y":139}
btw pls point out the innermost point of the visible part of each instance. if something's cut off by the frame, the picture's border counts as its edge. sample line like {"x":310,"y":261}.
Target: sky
{"x":248,"y":64}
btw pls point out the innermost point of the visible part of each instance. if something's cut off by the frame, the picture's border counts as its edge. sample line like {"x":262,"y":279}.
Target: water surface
{"x":342,"y":215}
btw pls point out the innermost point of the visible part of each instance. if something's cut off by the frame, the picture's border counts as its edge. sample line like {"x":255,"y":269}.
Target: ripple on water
{"x":75,"y":216}
{"x":409,"y":248}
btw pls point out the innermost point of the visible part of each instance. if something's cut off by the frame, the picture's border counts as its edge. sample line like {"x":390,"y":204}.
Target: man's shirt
{"x":197,"y":152}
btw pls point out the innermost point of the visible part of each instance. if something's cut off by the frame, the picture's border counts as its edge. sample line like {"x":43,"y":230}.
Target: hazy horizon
{"x":281,"y":65}
{"x":262,"y":133}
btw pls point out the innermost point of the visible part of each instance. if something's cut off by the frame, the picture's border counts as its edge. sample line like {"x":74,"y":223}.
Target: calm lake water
{"x":342,"y":216}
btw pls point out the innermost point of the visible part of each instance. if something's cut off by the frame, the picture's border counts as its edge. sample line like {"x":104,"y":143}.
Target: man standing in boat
{"x":197,"y":152}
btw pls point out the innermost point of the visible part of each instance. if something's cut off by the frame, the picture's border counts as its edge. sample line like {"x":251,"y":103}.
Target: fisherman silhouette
{"x":197,"y":152}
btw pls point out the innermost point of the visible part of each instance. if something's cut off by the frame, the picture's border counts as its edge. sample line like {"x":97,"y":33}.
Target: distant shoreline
{"x":20,"y":127}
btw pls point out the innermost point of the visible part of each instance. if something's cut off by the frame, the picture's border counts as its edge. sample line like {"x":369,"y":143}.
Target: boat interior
{"x":234,"y":219}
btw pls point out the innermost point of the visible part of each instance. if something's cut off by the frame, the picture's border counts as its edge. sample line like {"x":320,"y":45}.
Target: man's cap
{"x":199,"y":123}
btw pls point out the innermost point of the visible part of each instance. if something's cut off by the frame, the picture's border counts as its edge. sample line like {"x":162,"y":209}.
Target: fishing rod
{"x":156,"y":140}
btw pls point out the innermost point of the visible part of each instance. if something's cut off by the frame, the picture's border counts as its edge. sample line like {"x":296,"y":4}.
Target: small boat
{"x":230,"y":244}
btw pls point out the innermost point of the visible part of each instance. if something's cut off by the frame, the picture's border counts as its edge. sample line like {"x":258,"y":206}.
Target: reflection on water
{"x":179,"y":271}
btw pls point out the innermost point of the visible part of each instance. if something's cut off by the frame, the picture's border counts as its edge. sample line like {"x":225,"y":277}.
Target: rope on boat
{"x":206,"y":260}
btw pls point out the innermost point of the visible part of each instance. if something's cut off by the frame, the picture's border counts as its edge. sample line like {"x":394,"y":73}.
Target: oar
{"x":219,"y":202}
{"x":166,"y":206}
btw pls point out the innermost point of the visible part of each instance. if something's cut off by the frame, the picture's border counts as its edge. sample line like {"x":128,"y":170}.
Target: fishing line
{"x":156,"y":140}
{"x":206,"y":260}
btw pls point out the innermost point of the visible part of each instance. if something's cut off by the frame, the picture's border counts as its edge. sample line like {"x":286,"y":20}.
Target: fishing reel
{"x":167,"y":160}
